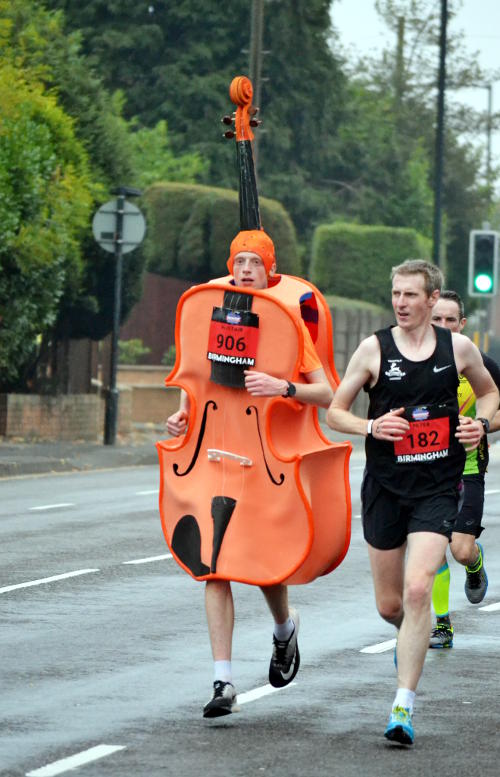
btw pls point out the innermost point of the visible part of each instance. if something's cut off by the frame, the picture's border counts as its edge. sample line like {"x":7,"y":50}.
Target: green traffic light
{"x":483,"y":283}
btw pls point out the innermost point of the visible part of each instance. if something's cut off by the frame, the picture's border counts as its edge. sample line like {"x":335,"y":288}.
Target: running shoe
{"x":476,"y":580}
{"x":222,"y":702}
{"x":285,"y":660}
{"x":441,"y":636}
{"x":400,"y":728}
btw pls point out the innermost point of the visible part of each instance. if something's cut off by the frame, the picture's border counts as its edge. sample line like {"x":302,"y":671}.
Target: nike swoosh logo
{"x":440,"y":369}
{"x":287,"y":675}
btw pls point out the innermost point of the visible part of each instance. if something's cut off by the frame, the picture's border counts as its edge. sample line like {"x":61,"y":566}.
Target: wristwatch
{"x":369,"y":427}
{"x":291,"y":390}
{"x":485,"y":423}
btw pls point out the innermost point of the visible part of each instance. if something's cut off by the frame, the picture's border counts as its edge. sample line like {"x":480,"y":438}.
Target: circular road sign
{"x":104,"y":226}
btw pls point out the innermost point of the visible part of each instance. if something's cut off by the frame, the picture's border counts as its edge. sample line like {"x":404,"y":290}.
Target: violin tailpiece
{"x":222,"y":510}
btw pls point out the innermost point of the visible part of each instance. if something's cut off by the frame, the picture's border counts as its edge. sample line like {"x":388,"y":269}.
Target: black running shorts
{"x":388,"y":518}
{"x":471,"y":513}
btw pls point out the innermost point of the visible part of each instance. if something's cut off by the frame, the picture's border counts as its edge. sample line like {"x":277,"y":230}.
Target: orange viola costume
{"x":253,"y":492}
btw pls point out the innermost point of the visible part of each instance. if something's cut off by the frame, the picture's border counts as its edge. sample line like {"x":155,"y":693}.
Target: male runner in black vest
{"x":415,"y":454}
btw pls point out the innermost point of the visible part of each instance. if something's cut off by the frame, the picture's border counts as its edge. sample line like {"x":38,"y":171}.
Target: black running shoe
{"x":476,"y":582}
{"x":222,"y":702}
{"x":441,"y":636}
{"x":285,"y":660}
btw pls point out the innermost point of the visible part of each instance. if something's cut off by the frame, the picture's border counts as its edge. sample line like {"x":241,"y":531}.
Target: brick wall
{"x":63,"y":417}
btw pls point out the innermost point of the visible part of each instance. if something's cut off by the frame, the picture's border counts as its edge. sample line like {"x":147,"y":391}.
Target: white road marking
{"x":145,"y":493}
{"x":492,"y":491}
{"x":490,"y":607}
{"x":257,"y":693}
{"x":147,"y":560}
{"x":53,"y":507}
{"x":74,"y":761}
{"x":380,"y":647}
{"x":47,"y":580}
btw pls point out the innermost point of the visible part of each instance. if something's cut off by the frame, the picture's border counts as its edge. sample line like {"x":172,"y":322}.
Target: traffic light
{"x":483,"y":256}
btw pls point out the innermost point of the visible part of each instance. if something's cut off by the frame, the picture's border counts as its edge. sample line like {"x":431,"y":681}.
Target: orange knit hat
{"x":256,"y":241}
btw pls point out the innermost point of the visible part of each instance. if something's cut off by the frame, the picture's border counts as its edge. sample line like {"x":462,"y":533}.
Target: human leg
{"x":285,"y":660}
{"x":464,"y":547}
{"x":425,"y":553}
{"x":442,"y":634}
{"x":219,"y":607}
{"x":388,"y":576}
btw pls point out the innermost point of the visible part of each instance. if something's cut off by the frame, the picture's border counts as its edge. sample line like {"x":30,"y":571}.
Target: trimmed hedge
{"x":355,"y":261}
{"x":190,"y":228}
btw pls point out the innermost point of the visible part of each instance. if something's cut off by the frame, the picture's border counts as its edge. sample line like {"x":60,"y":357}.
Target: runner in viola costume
{"x":415,"y":456}
{"x":449,"y":312}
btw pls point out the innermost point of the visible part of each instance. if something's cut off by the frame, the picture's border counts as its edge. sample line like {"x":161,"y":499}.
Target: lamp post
{"x":438,"y":185}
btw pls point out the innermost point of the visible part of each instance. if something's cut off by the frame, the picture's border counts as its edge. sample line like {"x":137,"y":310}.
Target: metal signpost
{"x":118,"y":227}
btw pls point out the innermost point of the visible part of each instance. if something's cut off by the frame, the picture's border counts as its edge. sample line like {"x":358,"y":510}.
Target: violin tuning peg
{"x":227,"y":120}
{"x":255,"y":122}
{"x":229,"y":134}
{"x":253,"y":110}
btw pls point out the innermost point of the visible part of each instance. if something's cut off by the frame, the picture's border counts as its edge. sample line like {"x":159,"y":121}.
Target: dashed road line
{"x":146,"y":493}
{"x":53,"y":507}
{"x":147,"y":560}
{"x":490,"y":607}
{"x":380,"y":647}
{"x":73,"y":761}
{"x":258,"y":693}
{"x":492,"y":491}
{"x":42,"y":580}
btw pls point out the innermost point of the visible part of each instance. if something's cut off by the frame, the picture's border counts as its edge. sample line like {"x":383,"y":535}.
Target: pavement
{"x":22,"y":457}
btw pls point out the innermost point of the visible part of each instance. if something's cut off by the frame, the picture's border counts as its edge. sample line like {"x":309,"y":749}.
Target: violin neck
{"x":249,"y":198}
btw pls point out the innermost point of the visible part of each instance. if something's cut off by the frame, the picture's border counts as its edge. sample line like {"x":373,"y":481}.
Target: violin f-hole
{"x":199,"y":441}
{"x":270,"y":474}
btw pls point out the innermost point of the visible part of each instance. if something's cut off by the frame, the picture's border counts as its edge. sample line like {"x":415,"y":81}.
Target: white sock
{"x":404,"y":698}
{"x":223,"y":671}
{"x":283,"y":631}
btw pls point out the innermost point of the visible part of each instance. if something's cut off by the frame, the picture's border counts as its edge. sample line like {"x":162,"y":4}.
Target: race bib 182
{"x":425,"y":440}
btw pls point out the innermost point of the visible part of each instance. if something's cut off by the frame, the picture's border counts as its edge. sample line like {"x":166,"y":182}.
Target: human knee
{"x":390,"y":608}
{"x":463,"y":550}
{"x":417,"y":593}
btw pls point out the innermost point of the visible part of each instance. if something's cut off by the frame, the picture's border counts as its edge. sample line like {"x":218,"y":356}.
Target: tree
{"x":175,"y":61}
{"x":402,"y":83}
{"x":45,"y":201}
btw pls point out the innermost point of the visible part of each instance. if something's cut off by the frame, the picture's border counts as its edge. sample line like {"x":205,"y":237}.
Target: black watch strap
{"x":485,"y":423}
{"x":291,"y":390}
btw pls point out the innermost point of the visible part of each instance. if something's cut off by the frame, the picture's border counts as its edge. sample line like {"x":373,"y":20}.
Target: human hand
{"x":177,"y":423}
{"x":260,"y":384}
{"x":390,"y":426}
{"x":469,"y":432}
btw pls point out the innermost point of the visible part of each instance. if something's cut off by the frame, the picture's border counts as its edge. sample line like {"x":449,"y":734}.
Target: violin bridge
{"x":214,"y":454}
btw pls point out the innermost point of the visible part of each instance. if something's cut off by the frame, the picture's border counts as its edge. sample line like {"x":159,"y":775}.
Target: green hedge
{"x":355,"y":261}
{"x":190,"y":228}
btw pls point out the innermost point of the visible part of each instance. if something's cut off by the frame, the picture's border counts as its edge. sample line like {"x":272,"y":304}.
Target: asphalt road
{"x":108,"y":663}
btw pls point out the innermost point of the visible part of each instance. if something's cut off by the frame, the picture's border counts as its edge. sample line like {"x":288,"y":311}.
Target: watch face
{"x":291,"y":390}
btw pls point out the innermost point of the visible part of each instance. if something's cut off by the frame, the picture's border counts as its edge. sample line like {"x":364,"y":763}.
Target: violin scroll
{"x":241,"y":94}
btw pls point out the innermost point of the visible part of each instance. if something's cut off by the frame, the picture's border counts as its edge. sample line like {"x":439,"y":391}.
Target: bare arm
{"x":177,"y":423}
{"x":363,"y":368}
{"x":316,"y":391}
{"x":470,"y":363}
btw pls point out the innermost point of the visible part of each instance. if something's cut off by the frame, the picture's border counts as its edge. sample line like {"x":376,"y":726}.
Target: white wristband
{"x":369,"y":427}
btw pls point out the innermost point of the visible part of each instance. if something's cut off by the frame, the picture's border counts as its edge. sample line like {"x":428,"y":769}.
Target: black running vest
{"x":429,"y":460}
